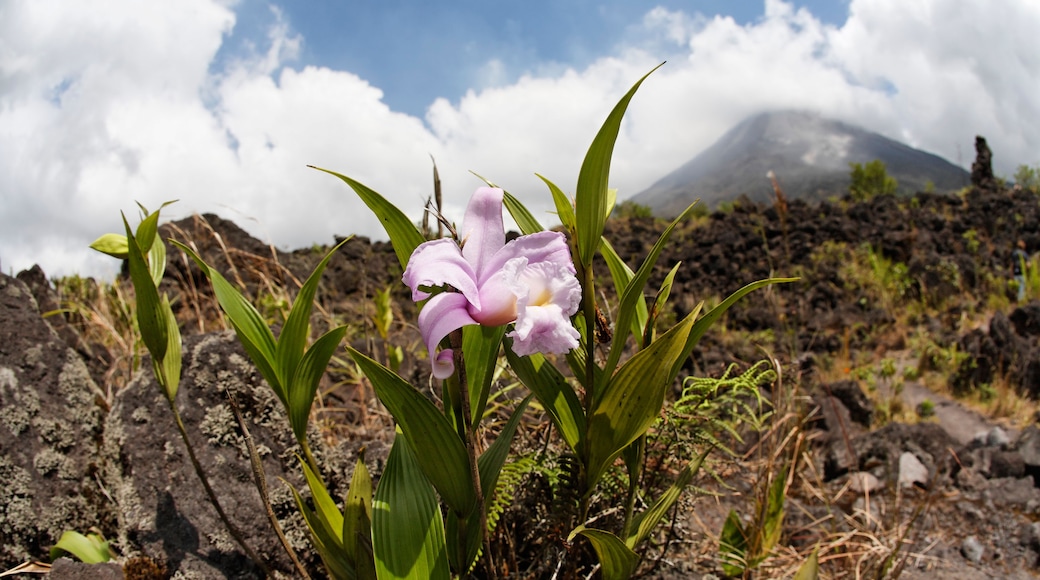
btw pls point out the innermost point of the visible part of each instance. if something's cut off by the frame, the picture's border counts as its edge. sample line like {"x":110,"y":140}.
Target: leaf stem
{"x":261,"y":486}
{"x":235,"y":533}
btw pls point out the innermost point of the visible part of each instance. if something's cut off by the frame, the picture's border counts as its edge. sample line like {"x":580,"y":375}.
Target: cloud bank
{"x":104,"y":106}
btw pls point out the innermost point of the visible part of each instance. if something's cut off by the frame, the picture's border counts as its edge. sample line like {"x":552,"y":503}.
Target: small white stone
{"x":911,"y":471}
{"x":864,"y":482}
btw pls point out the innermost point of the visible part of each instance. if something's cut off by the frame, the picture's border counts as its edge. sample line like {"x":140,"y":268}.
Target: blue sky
{"x":416,"y":51}
{"x":222,"y":104}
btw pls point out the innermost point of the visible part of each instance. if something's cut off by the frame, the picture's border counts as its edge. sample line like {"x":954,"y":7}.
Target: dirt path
{"x":962,"y":423}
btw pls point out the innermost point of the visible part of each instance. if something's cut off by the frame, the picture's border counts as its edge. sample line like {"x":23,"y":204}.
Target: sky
{"x":222,"y":104}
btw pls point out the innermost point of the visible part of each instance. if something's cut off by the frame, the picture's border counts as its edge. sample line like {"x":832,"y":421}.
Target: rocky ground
{"x":956,"y":491}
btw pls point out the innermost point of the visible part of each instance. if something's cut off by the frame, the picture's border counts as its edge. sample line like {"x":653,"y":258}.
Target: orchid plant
{"x":532,"y":300}
{"x":529,"y":298}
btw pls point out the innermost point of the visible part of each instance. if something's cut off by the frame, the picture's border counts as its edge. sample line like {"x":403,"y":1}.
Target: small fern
{"x":712,"y":405}
{"x":505,"y":491}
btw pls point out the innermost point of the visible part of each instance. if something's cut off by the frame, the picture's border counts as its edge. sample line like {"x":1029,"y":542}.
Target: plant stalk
{"x":588,"y":302}
{"x":470,"y":438}
{"x":261,"y":487}
{"x":235,"y":533}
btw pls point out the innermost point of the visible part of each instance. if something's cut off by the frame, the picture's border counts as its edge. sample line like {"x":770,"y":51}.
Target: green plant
{"x":603,"y":415}
{"x":743,"y":547}
{"x":926,"y":409}
{"x":91,"y":548}
{"x":971,"y":239}
{"x":146,"y":257}
{"x":629,"y":209}
{"x":870,"y":180}
{"x":1028,"y":177}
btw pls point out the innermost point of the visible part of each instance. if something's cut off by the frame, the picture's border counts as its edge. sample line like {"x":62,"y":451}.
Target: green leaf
{"x":304,"y":382}
{"x":564,"y":206}
{"x":494,"y":457}
{"x":150,"y":317}
{"x":633,"y":295}
{"x":293,"y":339}
{"x":407,"y":529}
{"x":331,"y":551}
{"x":648,"y":520}
{"x":659,"y":303}
{"x":147,"y":230}
{"x":702,"y":325}
{"x":554,"y":393}
{"x":616,"y":560}
{"x":632,"y":400}
{"x":90,"y":549}
{"x":249,"y":325}
{"x":480,"y":344}
{"x":157,"y":261}
{"x":328,"y":514}
{"x":773,"y":522}
{"x":810,"y":569}
{"x":592,"y":199}
{"x":357,"y":520}
{"x":404,"y":236}
{"x":733,"y":546}
{"x":438,"y":449}
{"x":523,"y":218}
{"x":112,"y":244}
{"x":171,"y":363}
{"x":622,"y":275}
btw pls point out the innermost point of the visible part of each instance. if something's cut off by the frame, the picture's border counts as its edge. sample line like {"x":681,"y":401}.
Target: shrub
{"x":870,"y":181}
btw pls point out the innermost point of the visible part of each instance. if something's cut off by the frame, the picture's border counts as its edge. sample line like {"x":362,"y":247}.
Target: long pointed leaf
{"x":329,"y":515}
{"x":554,"y":393}
{"x":648,"y":520}
{"x":622,"y":276}
{"x":564,"y":206}
{"x":632,"y":400}
{"x":157,"y":261}
{"x":659,"y":303}
{"x":252,"y":330}
{"x":773,"y":522}
{"x":702,"y":325}
{"x":331,"y":553}
{"x":810,"y":569}
{"x":491,"y":461}
{"x":304,"y":382}
{"x":357,"y":521}
{"x":150,"y":317}
{"x":480,"y":345}
{"x":617,"y":561}
{"x":404,"y":236}
{"x":407,"y":529}
{"x":171,"y":363}
{"x":438,"y":449}
{"x":733,"y":544}
{"x":523,"y":218}
{"x":592,"y":199}
{"x":293,"y":339}
{"x":633,"y":295}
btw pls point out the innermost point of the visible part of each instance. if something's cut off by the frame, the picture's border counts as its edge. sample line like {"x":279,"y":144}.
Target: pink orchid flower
{"x":529,"y":281}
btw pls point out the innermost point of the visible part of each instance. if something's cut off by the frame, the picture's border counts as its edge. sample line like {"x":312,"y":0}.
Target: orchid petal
{"x":437,"y":263}
{"x":483,"y":233}
{"x":535,"y":248}
{"x":443,"y":313}
{"x":541,"y":330}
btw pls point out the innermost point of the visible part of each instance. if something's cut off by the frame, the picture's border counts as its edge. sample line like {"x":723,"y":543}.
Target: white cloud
{"x":104,"y":105}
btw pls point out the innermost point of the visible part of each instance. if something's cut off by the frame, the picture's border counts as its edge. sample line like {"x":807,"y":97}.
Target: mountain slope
{"x":809,"y":154}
